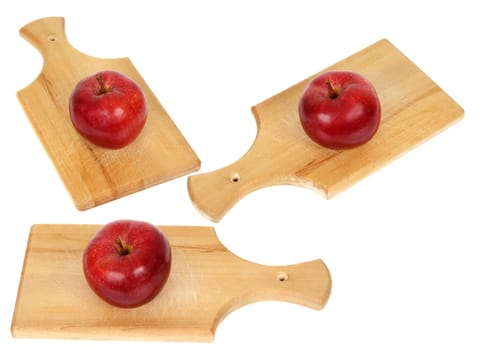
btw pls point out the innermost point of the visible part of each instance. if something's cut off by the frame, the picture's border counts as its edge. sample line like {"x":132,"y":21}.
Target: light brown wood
{"x":94,"y":175}
{"x":414,"y":109}
{"x":207,"y":282}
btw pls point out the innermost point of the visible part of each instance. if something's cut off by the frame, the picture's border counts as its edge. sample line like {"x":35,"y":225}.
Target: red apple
{"x":108,"y":108}
{"x":340,"y":110}
{"x":127,"y":262}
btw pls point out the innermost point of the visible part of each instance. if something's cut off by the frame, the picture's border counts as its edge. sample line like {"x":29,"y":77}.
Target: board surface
{"x":414,"y":109}
{"x":206,"y":283}
{"x":94,"y":175}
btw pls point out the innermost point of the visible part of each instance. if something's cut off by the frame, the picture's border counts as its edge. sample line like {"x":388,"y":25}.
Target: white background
{"x":404,"y":246}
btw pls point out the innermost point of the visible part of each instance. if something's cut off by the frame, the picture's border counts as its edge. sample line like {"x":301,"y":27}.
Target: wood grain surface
{"x":94,"y":175}
{"x":206,"y":283}
{"x":414,"y":109}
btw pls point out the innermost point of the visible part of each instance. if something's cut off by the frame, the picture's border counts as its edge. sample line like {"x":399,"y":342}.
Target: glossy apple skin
{"x":133,"y":279}
{"x":110,"y":113}
{"x":342,"y":114}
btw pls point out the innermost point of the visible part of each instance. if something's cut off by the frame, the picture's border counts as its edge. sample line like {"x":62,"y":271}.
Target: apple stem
{"x":122,"y":247}
{"x":103,"y":88}
{"x":333,"y":92}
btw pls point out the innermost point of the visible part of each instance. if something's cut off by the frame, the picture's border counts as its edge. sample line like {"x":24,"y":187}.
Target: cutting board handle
{"x":45,"y":34}
{"x":215,"y":193}
{"x":273,"y":159}
{"x":307,"y":284}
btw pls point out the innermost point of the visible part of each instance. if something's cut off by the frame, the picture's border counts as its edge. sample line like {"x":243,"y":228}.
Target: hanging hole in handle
{"x":235,"y":178}
{"x":282,"y":276}
{"x":51,"y":38}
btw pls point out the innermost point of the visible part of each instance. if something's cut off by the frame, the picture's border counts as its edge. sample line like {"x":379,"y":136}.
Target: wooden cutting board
{"x":414,"y":109}
{"x":94,"y":175}
{"x":206,"y":283}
